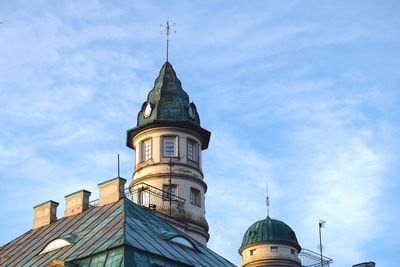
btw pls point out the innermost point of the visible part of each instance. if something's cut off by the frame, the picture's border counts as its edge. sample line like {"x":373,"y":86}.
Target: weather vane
{"x":167,"y":30}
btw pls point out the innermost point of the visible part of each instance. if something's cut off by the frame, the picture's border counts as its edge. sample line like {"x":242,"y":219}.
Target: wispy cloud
{"x":304,"y":96}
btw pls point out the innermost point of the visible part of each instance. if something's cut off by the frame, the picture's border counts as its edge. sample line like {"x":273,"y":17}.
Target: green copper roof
{"x":168,"y":105}
{"x":118,"y":234}
{"x":168,"y":100}
{"x":269,"y":230}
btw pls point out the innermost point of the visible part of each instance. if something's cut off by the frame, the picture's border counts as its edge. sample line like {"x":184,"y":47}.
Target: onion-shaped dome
{"x":272,"y":231}
{"x":167,"y":100}
{"x":168,"y":104}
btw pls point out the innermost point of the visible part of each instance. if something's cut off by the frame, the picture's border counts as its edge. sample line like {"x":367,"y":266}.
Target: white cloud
{"x":302,"y":96}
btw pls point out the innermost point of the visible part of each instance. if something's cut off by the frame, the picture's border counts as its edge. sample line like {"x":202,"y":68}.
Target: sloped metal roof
{"x":100,"y":229}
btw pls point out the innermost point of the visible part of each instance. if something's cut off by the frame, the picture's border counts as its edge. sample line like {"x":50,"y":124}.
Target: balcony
{"x":157,"y":200}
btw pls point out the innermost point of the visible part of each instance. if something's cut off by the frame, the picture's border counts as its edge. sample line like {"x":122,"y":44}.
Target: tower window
{"x":195,"y":197}
{"x":292,"y":251}
{"x":169,"y":146}
{"x":274,"y":249}
{"x":146,"y":149}
{"x":252,"y":252}
{"x":192,"y":150}
{"x":170,"y":192}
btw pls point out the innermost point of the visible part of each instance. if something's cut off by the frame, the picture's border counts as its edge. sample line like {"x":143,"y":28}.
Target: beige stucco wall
{"x":186,"y":174}
{"x":264,"y":255}
{"x":156,"y":135}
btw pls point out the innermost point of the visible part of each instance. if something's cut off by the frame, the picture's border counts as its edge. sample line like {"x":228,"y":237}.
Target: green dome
{"x":168,"y":105}
{"x":270,"y":230}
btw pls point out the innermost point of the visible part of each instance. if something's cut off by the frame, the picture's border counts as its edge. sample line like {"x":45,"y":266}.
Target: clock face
{"x":147,"y":110}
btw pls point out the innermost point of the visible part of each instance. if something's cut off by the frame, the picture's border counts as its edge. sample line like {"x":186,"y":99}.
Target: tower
{"x":168,"y":141}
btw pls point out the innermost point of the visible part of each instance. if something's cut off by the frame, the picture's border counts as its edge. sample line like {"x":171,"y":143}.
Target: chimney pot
{"x":44,"y":214}
{"x":111,"y":191}
{"x":76,"y":202}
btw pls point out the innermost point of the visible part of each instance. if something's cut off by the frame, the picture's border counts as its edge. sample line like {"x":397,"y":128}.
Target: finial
{"x":267,"y":201}
{"x":167,"y":31}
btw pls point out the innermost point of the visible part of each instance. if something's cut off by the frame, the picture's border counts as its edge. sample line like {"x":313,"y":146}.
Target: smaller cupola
{"x":270,"y":242}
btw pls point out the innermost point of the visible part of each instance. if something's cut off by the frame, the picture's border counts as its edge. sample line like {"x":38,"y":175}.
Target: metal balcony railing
{"x":155,"y":199}
{"x":312,"y":259}
{"x":158,"y":200}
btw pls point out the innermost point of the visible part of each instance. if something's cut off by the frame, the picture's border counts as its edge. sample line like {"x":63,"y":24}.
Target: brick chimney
{"x":111,"y":191}
{"x":44,"y":214}
{"x":76,"y":202}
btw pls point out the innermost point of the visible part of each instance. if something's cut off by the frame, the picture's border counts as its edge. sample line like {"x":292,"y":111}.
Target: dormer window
{"x":58,"y":243}
{"x":183,"y":241}
{"x":178,"y":239}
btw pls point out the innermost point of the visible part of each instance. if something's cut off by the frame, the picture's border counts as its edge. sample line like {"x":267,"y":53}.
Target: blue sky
{"x":302,"y":94}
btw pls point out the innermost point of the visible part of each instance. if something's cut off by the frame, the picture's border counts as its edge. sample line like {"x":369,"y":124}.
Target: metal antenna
{"x":167,"y":31}
{"x":118,"y":167}
{"x":267,"y":201}
{"x":321,"y":225}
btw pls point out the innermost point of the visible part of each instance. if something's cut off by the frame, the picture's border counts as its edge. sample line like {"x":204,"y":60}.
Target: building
{"x":159,"y":219}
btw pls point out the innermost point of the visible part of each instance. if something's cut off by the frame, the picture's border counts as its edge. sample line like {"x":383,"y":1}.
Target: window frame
{"x":176,"y":146}
{"x":274,"y":249}
{"x":195,"y":150}
{"x":166,"y":196}
{"x":193,"y":199}
{"x":252,"y":252}
{"x":143,"y":151}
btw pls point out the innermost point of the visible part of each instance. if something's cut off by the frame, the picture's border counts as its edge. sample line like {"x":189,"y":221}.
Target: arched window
{"x":183,"y":241}
{"x":55,"y":244}
{"x":178,"y":239}
{"x":59,"y":243}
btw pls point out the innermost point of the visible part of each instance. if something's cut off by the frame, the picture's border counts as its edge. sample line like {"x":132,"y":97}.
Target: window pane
{"x":169,"y":192}
{"x":147,"y":149}
{"x":274,"y":249}
{"x":195,"y":197}
{"x":169,"y":146}
{"x":190,"y":151}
